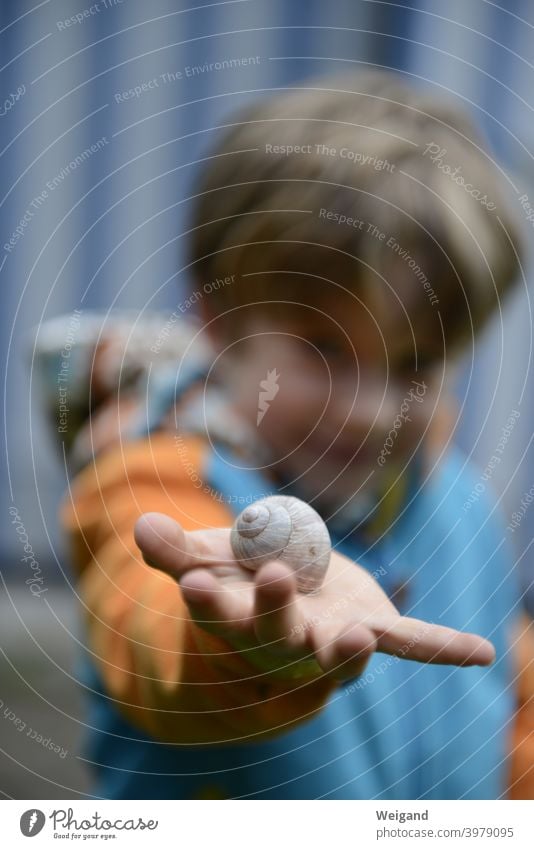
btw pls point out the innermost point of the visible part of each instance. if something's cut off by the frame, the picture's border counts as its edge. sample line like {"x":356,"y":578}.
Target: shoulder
{"x":462,"y":518}
{"x":451,"y":479}
{"x":463,"y":489}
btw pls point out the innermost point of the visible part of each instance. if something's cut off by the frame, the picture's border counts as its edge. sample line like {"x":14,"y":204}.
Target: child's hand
{"x":334,"y":631}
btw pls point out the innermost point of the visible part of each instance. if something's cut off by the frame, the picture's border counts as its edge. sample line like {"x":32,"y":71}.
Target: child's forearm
{"x":166,"y":674}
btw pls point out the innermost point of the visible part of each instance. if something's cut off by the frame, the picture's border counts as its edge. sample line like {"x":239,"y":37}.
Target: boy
{"x":339,"y":264}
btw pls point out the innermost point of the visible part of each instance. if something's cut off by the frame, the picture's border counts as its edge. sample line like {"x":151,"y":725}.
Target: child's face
{"x":350,"y":402}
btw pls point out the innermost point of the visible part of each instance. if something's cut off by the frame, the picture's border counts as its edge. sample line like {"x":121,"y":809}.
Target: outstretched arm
{"x":196,"y":651}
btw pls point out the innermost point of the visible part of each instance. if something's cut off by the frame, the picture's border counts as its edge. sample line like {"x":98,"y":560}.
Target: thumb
{"x":165,"y":545}
{"x":162,"y":542}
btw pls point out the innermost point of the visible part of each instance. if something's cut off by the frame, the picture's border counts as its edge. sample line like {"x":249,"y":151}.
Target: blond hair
{"x":288,"y":201}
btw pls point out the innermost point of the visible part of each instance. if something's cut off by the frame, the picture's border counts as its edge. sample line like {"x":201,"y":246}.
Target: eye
{"x":411,"y":365}
{"x":329,"y":348}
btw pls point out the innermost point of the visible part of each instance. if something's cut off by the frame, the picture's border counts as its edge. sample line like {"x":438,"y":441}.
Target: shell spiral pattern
{"x":283,"y":528}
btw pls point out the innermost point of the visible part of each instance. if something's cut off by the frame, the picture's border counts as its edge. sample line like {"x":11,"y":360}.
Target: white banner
{"x":234,"y":824}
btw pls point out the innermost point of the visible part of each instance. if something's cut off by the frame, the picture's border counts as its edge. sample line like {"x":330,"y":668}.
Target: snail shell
{"x":285,"y":528}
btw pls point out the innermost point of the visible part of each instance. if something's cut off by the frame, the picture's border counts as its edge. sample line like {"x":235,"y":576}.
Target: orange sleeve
{"x":166,"y":675}
{"x":522,"y":759}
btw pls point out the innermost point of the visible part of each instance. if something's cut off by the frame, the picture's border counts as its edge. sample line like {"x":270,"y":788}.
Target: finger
{"x":214,"y":606}
{"x":428,"y":643}
{"x":166,"y":546}
{"x":342,"y":654}
{"x":276,"y":616}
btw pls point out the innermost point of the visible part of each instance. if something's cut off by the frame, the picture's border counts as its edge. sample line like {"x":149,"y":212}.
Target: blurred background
{"x":93,"y":209}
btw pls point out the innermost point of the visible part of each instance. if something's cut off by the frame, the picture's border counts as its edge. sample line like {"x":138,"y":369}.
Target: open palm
{"x":332,"y":632}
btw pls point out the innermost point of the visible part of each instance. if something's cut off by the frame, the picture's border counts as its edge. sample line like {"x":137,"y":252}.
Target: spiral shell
{"x":283,"y":528}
